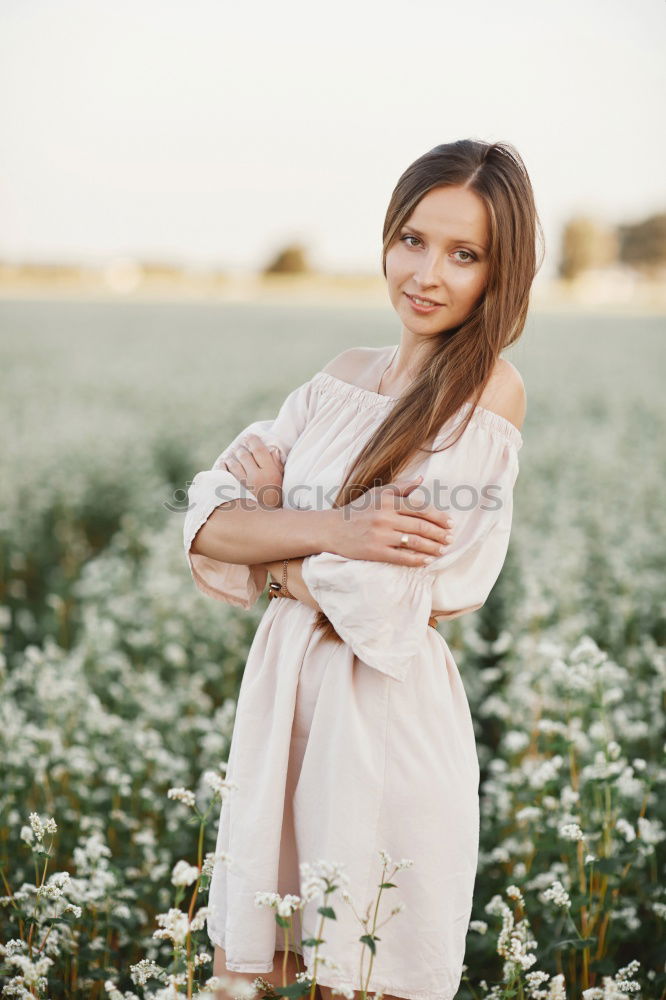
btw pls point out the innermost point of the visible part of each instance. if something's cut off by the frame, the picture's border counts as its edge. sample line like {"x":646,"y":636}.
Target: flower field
{"x":118,"y":678}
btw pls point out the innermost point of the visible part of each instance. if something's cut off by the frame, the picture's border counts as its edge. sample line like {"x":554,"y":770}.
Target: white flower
{"x":39,"y":828}
{"x":182,"y":795}
{"x":528,"y":814}
{"x":288,"y":905}
{"x":480,"y":926}
{"x":390,"y":863}
{"x":268,"y":899}
{"x":175,"y":925}
{"x":557,"y":894}
{"x":345,"y":991}
{"x":184,"y":873}
{"x":557,"y":989}
{"x":56,"y":885}
{"x":211,"y":858}
{"x":571,"y":831}
{"x":199,"y":918}
{"x":221,"y":786}
{"x":625,"y":829}
{"x":650,"y":831}
{"x":513,"y":892}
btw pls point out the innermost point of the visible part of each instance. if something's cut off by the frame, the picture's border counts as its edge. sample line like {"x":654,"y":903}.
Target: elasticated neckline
{"x":486,"y":418}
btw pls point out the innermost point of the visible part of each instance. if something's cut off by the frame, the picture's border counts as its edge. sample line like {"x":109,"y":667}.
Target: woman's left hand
{"x":259,"y":469}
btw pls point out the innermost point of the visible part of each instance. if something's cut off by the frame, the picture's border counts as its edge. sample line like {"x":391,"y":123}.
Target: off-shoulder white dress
{"x":342,"y":750}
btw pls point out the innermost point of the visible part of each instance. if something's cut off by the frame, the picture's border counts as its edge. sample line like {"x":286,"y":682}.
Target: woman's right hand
{"x":371,"y":526}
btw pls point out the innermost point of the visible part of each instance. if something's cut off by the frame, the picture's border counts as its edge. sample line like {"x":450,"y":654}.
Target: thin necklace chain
{"x":385,"y":371}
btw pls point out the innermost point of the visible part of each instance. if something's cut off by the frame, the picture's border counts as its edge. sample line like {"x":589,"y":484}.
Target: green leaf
{"x":388,"y":885}
{"x":610,"y":865}
{"x":576,"y":943}
{"x":293,"y":990}
{"x":311,"y":942}
{"x":370,"y":941}
{"x":282,"y":921}
{"x":327,"y":911}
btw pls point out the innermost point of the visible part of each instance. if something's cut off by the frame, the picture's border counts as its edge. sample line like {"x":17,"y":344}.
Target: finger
{"x":235,"y":467}
{"x":420,"y":545}
{"x":261,"y":454}
{"x":423,"y":533}
{"x":246,"y":457}
{"x":430,"y":516}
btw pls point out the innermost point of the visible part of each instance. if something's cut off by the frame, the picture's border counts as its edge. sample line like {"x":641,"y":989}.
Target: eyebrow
{"x":419,"y":233}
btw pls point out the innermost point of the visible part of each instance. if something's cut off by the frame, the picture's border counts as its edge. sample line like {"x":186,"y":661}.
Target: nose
{"x":429,"y":275}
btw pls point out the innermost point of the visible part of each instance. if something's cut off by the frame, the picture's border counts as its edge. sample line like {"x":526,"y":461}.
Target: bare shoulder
{"x":505,"y":393}
{"x":354,"y":364}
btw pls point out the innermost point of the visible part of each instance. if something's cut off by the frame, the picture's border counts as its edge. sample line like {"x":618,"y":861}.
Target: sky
{"x":211,"y":133}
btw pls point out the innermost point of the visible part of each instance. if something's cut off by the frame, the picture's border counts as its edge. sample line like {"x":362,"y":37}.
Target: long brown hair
{"x":463,"y":357}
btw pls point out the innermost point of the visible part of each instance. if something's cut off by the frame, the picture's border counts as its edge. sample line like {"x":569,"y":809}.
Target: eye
{"x":471,"y":256}
{"x":403,"y":238}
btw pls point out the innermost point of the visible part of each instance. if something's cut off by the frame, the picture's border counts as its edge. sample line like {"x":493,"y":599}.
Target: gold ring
{"x":404,"y":539}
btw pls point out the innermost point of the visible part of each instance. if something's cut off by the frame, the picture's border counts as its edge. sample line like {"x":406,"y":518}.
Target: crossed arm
{"x":240,"y":531}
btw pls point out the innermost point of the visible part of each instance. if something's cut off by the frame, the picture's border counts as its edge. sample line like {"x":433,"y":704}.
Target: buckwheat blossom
{"x":114,"y":993}
{"x":557,"y":988}
{"x":174,"y":924}
{"x":345,"y":991}
{"x":184,"y":873}
{"x":479,"y":926}
{"x":616,"y":987}
{"x":314,"y":878}
{"x":571,"y":831}
{"x":199,"y":918}
{"x":557,"y":894}
{"x":399,"y":865}
{"x":625,"y":828}
{"x":267,"y":899}
{"x":145,"y":970}
{"x":288,"y":905}
{"x":184,"y":795}
{"x":515,"y":740}
{"x":39,"y":828}
{"x":539,"y":773}
{"x":221,"y":786}
{"x":514,"y":942}
{"x":569,"y":797}
{"x":650,"y":831}
{"x":210,"y":860}
{"x":513,"y":892}
{"x":627,"y":914}
{"x":31,"y":974}
{"x":529,"y":814}
{"x":284,"y":906}
{"x":56,"y":885}
{"x":533,"y":982}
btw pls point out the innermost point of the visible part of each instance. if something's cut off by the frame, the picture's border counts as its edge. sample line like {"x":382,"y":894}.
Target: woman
{"x":353,"y":734}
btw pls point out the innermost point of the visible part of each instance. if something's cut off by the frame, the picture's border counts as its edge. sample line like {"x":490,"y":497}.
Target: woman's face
{"x":441,"y":253}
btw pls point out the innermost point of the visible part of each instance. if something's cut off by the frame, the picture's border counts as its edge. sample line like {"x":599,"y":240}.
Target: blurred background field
{"x":192,"y":200}
{"x":119,"y":678}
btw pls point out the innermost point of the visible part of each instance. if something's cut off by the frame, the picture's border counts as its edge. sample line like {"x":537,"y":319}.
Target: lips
{"x":430,"y":302}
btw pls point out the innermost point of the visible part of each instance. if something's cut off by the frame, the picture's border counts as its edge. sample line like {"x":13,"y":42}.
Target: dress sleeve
{"x":380,"y":609}
{"x":235,"y":583}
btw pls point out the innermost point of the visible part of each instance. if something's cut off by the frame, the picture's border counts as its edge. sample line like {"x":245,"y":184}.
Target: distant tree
{"x":291,"y":259}
{"x":643,"y":244}
{"x":586,"y":244}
